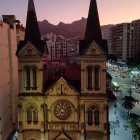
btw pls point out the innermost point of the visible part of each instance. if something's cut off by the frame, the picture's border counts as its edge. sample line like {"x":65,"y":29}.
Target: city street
{"x":118,"y":124}
{"x":117,"y":116}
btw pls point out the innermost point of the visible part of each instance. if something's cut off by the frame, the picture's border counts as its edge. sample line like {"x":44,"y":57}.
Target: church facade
{"x":63,"y":109}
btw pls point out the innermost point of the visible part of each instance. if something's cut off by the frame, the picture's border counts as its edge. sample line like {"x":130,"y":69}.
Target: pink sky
{"x":110,"y":11}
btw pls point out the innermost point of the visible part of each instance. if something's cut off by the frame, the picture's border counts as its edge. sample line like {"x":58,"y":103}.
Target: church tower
{"x":93,"y":53}
{"x":31,"y":52}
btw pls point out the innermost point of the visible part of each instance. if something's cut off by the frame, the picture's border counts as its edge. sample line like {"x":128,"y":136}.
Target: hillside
{"x":76,"y":28}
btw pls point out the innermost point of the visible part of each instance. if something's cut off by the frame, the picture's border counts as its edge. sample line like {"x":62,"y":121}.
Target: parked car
{"x":137,"y":90}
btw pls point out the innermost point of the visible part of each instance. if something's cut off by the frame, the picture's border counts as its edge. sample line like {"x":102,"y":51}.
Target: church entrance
{"x":32,"y":139}
{"x":62,"y":139}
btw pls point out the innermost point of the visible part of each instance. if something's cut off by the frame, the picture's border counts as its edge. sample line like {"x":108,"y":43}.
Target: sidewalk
{"x":118,"y":124}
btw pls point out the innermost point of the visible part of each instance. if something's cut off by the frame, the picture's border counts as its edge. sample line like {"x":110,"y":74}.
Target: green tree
{"x":128,"y":103}
{"x":137,"y":133}
{"x":133,"y":120}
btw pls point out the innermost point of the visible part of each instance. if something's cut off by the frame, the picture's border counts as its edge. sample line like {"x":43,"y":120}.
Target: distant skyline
{"x":67,"y":11}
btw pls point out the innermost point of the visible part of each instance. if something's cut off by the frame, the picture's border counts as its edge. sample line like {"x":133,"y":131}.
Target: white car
{"x":133,"y":87}
{"x":137,"y":90}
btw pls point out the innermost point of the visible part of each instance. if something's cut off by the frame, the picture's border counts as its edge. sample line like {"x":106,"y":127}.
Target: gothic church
{"x":63,"y":109}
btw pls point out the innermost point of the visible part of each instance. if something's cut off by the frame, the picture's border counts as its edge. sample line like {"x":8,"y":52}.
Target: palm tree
{"x":133,"y":119}
{"x":128,"y":103}
{"x":137,"y":133}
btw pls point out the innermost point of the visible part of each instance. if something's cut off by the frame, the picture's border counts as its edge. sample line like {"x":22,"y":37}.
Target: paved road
{"x":121,"y":131}
{"x":118,"y":125}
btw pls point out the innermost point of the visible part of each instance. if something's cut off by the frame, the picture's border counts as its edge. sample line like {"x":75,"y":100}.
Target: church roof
{"x":93,"y":29}
{"x":76,"y":84}
{"x":32,"y":33}
{"x":72,"y":75}
{"x":73,"y":72}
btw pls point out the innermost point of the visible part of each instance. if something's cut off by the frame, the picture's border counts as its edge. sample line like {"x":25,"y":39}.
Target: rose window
{"x":62,"y":110}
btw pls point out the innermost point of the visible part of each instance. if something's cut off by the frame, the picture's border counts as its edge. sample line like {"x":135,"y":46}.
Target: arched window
{"x":90,"y":117}
{"x":96,"y":77}
{"x":29,"y":115}
{"x":34,"y":71}
{"x":89,"y":78}
{"x":93,"y":115}
{"x":96,"y":117}
{"x":32,"y":114}
{"x":28,"y":82}
{"x":35,"y":115}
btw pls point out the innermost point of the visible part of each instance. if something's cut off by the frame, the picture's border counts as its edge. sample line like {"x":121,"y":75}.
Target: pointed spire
{"x":32,"y":32}
{"x":93,"y":31}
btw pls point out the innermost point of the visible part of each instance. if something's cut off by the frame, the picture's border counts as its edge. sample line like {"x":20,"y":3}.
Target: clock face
{"x":62,"y":110}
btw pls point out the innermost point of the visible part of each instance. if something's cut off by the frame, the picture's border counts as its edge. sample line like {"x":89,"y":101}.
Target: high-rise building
{"x":123,"y":40}
{"x":73,"y":106}
{"x":60,"y":47}
{"x":107,"y":34}
{"x":135,"y":39}
{"x":122,"y":34}
{"x":8,"y":76}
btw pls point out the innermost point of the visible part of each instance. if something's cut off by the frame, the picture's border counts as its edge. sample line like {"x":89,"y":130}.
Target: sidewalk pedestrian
{"x":114,"y":132}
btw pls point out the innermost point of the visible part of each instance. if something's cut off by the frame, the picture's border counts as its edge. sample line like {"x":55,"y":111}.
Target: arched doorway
{"x":62,"y":139}
{"x":32,"y":139}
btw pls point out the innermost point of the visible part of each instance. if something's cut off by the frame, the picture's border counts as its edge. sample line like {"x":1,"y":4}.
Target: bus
{"x":115,"y":86}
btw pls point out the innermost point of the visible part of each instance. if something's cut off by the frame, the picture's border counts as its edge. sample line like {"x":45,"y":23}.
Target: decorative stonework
{"x":94,"y":49}
{"x":29,"y":50}
{"x":62,"y":110}
{"x":62,"y":88}
{"x":66,"y":127}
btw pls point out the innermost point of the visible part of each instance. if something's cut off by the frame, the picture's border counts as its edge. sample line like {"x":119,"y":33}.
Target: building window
{"x":35,"y":115}
{"x":29,"y":115}
{"x":96,"y":117}
{"x":32,"y":114}
{"x":90,"y":117}
{"x":28,"y":83}
{"x":93,"y":115}
{"x":34,"y":70}
{"x":96,"y":78}
{"x":89,"y":78}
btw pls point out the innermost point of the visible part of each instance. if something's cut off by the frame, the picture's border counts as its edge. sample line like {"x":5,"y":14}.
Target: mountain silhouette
{"x":76,"y":28}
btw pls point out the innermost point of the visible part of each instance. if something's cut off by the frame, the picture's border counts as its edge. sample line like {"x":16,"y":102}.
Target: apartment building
{"x":60,"y":47}
{"x":8,"y":76}
{"x":135,"y":39}
{"x":122,"y":41}
{"x":107,"y":34}
{"x":20,"y":32}
{"x":72,"y":47}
